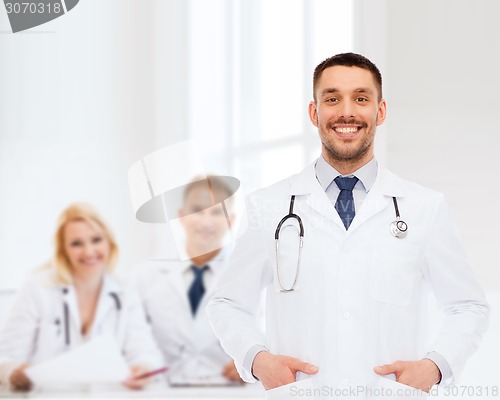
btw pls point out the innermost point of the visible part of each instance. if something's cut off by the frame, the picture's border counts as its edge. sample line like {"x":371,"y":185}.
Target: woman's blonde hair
{"x":80,"y":212}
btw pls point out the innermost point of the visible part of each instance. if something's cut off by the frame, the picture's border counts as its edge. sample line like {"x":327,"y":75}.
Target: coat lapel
{"x":107,"y":303}
{"x":70,"y":301}
{"x":174,"y":285}
{"x":178,"y":295}
{"x":306,"y":183}
{"x":204,"y":337}
{"x":217,"y":266}
{"x":386,"y":186}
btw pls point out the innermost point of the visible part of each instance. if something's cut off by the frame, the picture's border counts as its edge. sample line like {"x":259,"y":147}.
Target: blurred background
{"x":88,"y":94}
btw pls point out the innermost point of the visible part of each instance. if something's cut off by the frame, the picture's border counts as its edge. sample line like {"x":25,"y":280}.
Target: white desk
{"x":247,"y":392}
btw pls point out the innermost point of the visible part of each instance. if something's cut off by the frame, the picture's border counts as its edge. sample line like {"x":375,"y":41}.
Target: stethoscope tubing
{"x":301,"y":244}
{"x":66,"y":325}
{"x":398,"y":229}
{"x":67,"y":331}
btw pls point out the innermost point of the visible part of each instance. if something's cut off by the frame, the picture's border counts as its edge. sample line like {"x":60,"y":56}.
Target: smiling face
{"x":205,"y":224}
{"x":347,"y":112}
{"x":87,"y":248}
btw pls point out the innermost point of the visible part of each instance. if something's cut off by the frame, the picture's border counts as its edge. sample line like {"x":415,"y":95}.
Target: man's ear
{"x":313,"y":113}
{"x":382,"y":112}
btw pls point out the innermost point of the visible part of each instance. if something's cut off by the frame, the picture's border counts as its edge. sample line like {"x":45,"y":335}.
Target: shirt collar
{"x":189,"y":264}
{"x":325,"y":173}
{"x":215,"y":263}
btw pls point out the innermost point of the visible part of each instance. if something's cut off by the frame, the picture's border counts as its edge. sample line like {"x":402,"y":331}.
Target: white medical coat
{"x":35,"y":329}
{"x":361,"y":294}
{"x":189,"y":346}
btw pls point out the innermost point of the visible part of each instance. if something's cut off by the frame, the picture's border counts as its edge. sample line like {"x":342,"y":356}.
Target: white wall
{"x":440,"y":63}
{"x":82,"y":98}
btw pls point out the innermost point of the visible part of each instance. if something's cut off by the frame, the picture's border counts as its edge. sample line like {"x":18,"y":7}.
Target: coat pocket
{"x":393,"y":272}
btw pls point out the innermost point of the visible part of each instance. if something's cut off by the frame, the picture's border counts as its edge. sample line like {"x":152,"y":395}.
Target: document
{"x":97,"y":361}
{"x":303,"y":389}
{"x":390,"y":389}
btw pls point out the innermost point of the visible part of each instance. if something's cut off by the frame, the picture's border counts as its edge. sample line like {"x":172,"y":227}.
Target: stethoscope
{"x":67,"y":334}
{"x":398,"y":229}
{"x":301,"y":244}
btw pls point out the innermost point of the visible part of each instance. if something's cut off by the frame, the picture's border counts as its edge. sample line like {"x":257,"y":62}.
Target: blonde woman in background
{"x":73,"y":299}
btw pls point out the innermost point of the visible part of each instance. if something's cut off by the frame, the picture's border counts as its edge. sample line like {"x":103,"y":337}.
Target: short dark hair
{"x":348,"y":60}
{"x":219,"y":189}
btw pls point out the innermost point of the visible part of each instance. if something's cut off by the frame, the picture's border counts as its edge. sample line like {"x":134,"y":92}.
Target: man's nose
{"x":206,"y":218}
{"x":347,"y":110}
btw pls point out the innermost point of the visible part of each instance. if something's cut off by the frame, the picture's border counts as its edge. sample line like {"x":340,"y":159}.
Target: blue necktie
{"x":197,"y":290}
{"x":345,"y":201}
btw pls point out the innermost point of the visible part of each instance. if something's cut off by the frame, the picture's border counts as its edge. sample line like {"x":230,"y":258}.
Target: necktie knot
{"x":346,"y":183}
{"x":198,"y":272}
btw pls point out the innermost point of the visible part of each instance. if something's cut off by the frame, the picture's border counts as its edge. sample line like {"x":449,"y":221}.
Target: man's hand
{"x":19,"y":380}
{"x":274,"y":371}
{"x":230,"y":372}
{"x":417,"y":374}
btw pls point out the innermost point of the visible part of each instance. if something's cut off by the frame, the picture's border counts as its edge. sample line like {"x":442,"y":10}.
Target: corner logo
{"x":25,"y":14}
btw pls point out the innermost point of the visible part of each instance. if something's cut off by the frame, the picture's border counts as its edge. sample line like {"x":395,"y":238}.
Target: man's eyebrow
{"x":363,"y":90}
{"x":329,"y":91}
{"x":335,"y":90}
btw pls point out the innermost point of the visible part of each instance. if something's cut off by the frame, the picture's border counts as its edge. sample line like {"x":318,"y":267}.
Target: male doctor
{"x":175,"y":293}
{"x":348,"y":307}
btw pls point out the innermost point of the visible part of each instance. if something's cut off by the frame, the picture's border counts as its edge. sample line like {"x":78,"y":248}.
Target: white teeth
{"x":346,"y":130}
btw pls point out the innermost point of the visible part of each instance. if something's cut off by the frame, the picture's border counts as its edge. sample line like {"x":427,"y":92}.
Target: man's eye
{"x":361,"y":99}
{"x":332,"y":100}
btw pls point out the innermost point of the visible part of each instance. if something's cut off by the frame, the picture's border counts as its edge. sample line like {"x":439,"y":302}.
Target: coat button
{"x":346,"y":315}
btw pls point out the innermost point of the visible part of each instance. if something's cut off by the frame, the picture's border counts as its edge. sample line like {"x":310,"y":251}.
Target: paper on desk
{"x":179,"y":380}
{"x":390,"y":389}
{"x":97,"y":361}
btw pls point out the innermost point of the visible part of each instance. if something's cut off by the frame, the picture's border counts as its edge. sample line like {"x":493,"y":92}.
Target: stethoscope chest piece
{"x":399,"y":228}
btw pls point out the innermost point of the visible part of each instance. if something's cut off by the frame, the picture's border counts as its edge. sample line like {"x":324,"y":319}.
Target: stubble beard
{"x":345,"y":153}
